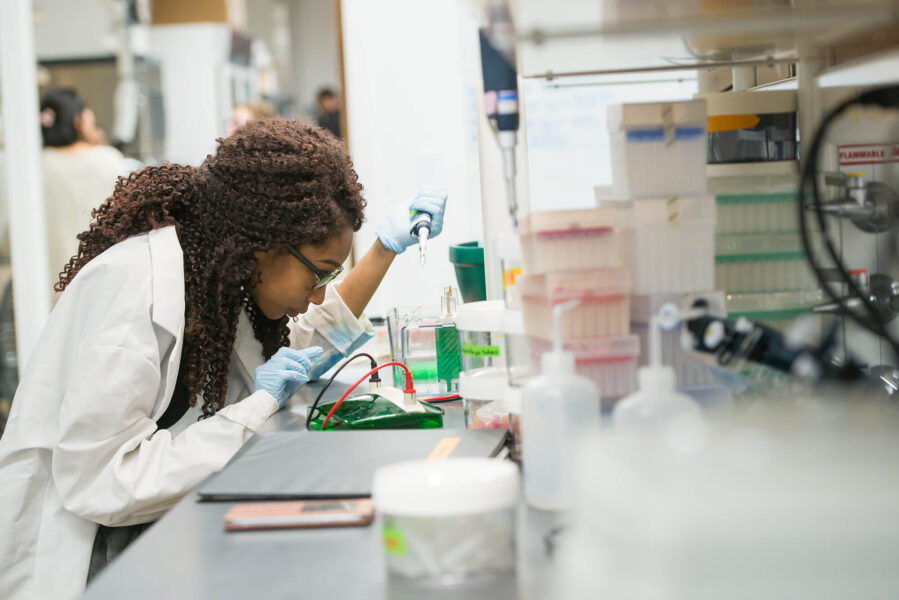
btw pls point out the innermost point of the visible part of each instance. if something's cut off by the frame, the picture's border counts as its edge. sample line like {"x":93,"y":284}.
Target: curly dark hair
{"x":273,"y":182}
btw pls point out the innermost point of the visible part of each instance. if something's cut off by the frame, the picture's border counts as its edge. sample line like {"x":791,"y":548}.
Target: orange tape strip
{"x":732,"y":122}
{"x":444,"y":448}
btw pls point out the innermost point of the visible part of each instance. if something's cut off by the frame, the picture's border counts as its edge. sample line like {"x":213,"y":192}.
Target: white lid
{"x":758,"y":102}
{"x":508,"y":247}
{"x":488,"y":383}
{"x":513,"y":322}
{"x":769,"y":168}
{"x":773,"y":301}
{"x":481,"y":316}
{"x":757,"y":243}
{"x":453,"y":486}
{"x":656,"y":114}
{"x":513,"y":400}
{"x":600,"y":219}
{"x":785,"y":187}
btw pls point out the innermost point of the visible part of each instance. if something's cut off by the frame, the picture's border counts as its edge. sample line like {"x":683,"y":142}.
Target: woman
{"x":182,"y":292}
{"x":79,"y":172}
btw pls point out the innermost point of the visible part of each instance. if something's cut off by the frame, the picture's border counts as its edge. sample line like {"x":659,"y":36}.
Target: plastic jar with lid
{"x":449,"y":521}
{"x":480,"y":326}
{"x":483,"y":394}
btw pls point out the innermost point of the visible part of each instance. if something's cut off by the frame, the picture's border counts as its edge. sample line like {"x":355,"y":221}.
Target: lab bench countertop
{"x":187,"y":554}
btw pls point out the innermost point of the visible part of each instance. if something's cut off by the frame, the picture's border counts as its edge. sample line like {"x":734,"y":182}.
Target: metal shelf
{"x":881,"y":68}
{"x":698,"y":41}
{"x":820,"y":18}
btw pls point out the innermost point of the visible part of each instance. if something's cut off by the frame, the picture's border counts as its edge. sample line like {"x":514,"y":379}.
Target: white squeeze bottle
{"x":558,"y":408}
{"x":656,"y":404}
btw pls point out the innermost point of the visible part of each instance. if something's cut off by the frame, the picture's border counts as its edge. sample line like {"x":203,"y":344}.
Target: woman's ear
{"x":265,"y":262}
{"x":262,"y":261}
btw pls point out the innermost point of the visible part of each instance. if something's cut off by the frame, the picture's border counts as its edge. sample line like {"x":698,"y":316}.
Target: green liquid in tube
{"x":449,"y":356}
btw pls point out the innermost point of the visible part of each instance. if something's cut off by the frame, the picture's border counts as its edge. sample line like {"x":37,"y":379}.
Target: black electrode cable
{"x":325,"y":387}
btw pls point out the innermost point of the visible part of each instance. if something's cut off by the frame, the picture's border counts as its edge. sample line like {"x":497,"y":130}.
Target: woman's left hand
{"x":395,"y":232}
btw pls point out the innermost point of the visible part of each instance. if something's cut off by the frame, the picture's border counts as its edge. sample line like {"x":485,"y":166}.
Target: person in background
{"x":327,"y":111}
{"x":196,"y":292}
{"x":79,"y":172}
{"x":244,"y":113}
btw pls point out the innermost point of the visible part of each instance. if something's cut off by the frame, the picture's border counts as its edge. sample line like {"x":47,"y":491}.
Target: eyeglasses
{"x":322,"y":278}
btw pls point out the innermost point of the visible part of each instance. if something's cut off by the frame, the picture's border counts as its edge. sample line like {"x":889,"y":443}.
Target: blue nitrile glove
{"x":395,"y":232}
{"x":284,"y":371}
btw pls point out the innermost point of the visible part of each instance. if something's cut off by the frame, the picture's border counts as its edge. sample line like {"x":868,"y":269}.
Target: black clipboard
{"x":304,"y":465}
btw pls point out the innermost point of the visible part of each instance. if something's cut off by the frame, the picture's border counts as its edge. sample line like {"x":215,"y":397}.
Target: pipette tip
{"x":423,"y":234}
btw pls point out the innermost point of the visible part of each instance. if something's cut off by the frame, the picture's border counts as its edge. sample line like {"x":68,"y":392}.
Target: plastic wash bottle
{"x":559,"y":407}
{"x":656,"y":404}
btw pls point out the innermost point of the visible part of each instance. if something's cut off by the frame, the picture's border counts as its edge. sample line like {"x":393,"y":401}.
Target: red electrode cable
{"x":409,"y":388}
{"x":448,"y":398}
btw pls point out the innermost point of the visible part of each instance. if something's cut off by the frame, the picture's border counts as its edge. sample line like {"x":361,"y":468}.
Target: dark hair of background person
{"x":274,"y":182}
{"x":328,"y":113}
{"x":325,"y":93}
{"x":66,"y":106}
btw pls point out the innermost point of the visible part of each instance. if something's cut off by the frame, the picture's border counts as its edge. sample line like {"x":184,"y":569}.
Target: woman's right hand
{"x":285,"y":371}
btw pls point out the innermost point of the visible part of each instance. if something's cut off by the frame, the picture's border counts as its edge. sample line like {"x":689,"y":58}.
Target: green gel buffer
{"x":371,"y":411}
{"x":422,"y":370}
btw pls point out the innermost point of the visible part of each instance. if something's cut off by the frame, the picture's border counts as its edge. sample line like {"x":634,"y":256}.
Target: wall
{"x":194,"y":61}
{"x":269,"y":22}
{"x":567,"y":137}
{"x":72,"y":29}
{"x":411,"y":68}
{"x":567,"y":141}
{"x":315,"y":50}
{"x":55,"y":37}
{"x":859,"y":249}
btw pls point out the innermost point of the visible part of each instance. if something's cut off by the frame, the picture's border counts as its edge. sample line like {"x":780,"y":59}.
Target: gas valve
{"x":872,"y":206}
{"x":882,"y":291}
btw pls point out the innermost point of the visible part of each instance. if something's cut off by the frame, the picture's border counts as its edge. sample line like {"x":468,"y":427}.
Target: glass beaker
{"x":422,"y":339}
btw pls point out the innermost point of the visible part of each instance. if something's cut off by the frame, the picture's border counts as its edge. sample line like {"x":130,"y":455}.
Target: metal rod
{"x":769,"y":61}
{"x":612,"y":83}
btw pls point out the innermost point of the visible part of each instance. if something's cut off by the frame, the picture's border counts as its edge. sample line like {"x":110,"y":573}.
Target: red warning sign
{"x":868,"y":154}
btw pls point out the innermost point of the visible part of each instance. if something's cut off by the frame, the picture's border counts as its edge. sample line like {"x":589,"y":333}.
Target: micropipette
{"x":421,"y":229}
{"x":499,"y":67}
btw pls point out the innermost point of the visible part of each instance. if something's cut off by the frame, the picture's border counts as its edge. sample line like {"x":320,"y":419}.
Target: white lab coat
{"x":81,"y":446}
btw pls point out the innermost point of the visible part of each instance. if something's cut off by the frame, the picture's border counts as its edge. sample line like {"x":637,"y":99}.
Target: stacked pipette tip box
{"x":578,"y":255}
{"x":668,"y":225}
